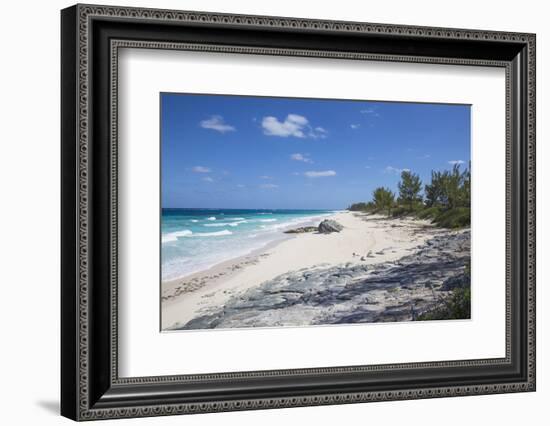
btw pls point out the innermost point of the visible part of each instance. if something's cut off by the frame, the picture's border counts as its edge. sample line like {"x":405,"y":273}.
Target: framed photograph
{"x":263,"y":212}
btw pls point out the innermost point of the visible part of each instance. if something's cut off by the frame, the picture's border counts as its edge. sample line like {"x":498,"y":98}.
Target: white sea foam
{"x":213,"y":234}
{"x":196,"y":251}
{"x":294,"y":222}
{"x":233,"y":224}
{"x":194,"y":220}
{"x":173,"y":236}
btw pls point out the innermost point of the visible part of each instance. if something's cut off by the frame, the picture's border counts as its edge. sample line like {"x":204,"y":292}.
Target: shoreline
{"x":215,"y":272}
{"x":279,"y":237}
{"x":365,"y":240}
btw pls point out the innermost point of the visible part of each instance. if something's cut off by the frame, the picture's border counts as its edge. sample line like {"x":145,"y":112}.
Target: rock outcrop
{"x":302,"y":230}
{"x":328,"y":226}
{"x":352,"y":293}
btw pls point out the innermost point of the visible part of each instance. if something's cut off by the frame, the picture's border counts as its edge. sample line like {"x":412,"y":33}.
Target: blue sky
{"x":260,"y":152}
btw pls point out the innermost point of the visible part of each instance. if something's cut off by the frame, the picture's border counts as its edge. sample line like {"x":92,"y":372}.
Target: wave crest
{"x":173,"y":236}
{"x":214,"y":234}
{"x":233,"y":224}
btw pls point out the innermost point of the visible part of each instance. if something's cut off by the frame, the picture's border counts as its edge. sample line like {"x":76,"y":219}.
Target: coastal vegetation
{"x":445,"y":200}
{"x":457,"y":305}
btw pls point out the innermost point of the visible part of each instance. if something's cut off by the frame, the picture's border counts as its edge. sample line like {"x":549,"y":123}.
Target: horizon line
{"x":246,"y":208}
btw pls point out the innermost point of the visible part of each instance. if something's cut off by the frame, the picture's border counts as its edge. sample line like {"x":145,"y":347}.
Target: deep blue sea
{"x":196,"y":239}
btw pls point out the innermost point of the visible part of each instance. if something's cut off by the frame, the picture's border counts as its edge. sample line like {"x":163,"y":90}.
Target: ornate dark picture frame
{"x":90,"y":385}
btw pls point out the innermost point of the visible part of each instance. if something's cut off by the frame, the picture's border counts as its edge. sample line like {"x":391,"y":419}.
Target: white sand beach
{"x":365,"y":240}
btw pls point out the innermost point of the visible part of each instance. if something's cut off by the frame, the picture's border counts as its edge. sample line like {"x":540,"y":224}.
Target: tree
{"x":449,"y":189}
{"x":358,"y":207}
{"x":409,"y":188}
{"x":464,"y":192}
{"x":434,"y":190}
{"x":452,"y":183}
{"x":383,"y":199}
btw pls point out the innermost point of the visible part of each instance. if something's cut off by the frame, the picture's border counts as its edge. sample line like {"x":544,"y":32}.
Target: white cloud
{"x":424,"y":157}
{"x":266,"y":177}
{"x":320,"y":129}
{"x":296,"y":118}
{"x":454,"y":162}
{"x":208,"y":179}
{"x":201,"y":169}
{"x":240,"y":185}
{"x":322,"y":173}
{"x":370,"y":111}
{"x":397,"y":171}
{"x":216,"y":122}
{"x":318,"y":133}
{"x":301,"y":157}
{"x":294,"y":125}
{"x":355,"y":126}
{"x":269,"y":186}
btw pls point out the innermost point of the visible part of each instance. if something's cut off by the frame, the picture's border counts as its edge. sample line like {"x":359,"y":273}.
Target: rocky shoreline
{"x":399,"y":290}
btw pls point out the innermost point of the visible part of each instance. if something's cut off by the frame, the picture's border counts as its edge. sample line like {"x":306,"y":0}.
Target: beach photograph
{"x":295,"y":212}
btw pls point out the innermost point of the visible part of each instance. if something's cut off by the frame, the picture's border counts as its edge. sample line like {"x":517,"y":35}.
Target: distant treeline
{"x":445,"y":200}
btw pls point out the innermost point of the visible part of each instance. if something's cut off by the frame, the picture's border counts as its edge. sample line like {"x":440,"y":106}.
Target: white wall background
{"x":29,"y":213}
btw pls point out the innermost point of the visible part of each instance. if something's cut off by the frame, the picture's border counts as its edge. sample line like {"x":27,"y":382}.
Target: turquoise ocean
{"x":196,"y":239}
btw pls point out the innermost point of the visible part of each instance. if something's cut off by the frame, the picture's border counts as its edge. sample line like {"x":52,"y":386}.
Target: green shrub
{"x":454,"y":218}
{"x":418,"y":207}
{"x":359,"y":207}
{"x":400,"y":211}
{"x":429,"y":212}
{"x":458,"y":306}
{"x":460,"y":303}
{"x":383,"y":199}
